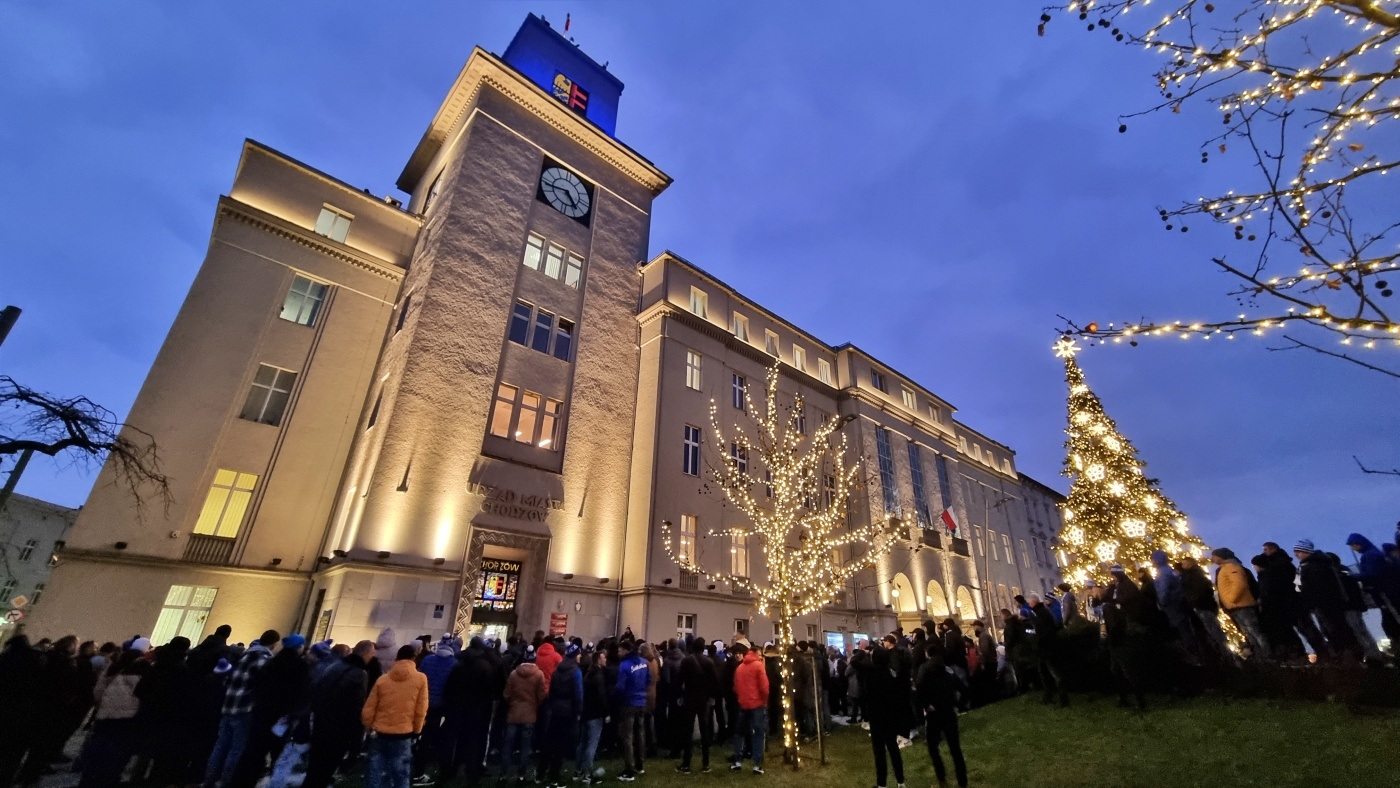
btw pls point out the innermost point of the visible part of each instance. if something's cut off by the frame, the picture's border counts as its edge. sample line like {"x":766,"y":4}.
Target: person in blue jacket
{"x":633,"y":678}
{"x":1381,"y":579}
{"x":431,"y":744}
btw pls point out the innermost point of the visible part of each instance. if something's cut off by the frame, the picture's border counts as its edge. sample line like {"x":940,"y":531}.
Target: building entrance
{"x":493,"y":612}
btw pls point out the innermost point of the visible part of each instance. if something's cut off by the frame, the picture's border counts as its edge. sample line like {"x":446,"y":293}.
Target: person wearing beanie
{"x":525,"y":691}
{"x":1200,"y":598}
{"x":281,"y":690}
{"x":235,"y":724}
{"x":698,"y":687}
{"x":337,"y":698}
{"x":751,"y":689}
{"x":1324,"y":596}
{"x":394,"y":712}
{"x":1234,"y":585}
{"x":563,"y":707}
{"x":1171,"y":598}
{"x":436,"y":667}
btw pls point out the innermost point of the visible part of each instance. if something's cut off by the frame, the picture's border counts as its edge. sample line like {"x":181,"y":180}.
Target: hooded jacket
{"x":633,"y":681}
{"x":436,"y":666}
{"x":398,"y":702}
{"x":338,"y":695}
{"x":388,"y":646}
{"x":1375,"y":573}
{"x":1195,"y":586}
{"x":525,"y":691}
{"x":751,"y":682}
{"x":547,"y":659}
{"x":698,"y":681}
{"x":1321,"y":585}
{"x":476,"y":681}
{"x":1171,"y":597}
{"x":1232,"y":584}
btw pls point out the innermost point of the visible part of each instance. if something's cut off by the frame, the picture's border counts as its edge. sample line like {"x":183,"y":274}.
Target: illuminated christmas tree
{"x":1114,"y":514}
{"x":794,"y":491}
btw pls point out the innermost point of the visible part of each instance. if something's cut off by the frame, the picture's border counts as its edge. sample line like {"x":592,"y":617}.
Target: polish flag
{"x":947,"y":518}
{"x":567,"y":20}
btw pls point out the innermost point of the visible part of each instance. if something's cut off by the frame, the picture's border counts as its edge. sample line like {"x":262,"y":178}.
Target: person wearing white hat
{"x":1320,"y":584}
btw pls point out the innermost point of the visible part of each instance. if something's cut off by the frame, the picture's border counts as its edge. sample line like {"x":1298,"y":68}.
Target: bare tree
{"x":811,"y":548}
{"x":1306,"y":93}
{"x":80,"y":429}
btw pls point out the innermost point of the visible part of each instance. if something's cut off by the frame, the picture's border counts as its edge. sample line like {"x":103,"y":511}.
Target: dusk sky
{"x":933,"y":182}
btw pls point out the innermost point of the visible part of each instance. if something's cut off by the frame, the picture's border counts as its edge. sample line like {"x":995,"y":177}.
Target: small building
{"x":31,"y":534}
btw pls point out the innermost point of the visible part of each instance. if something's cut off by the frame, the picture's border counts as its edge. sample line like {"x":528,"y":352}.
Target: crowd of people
{"x":426,"y":711}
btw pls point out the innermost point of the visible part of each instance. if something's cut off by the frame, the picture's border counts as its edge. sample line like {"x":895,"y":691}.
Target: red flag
{"x":947,"y":518}
{"x":566,"y":23}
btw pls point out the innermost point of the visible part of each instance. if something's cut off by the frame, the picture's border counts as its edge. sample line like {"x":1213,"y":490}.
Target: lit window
{"x":800,"y":420}
{"x":690,"y":464}
{"x":267,"y":399}
{"x":738,"y":555}
{"x":910,"y":401}
{"x":699,"y":302}
{"x":553,"y":261}
{"x":685,"y":624}
{"x":549,"y":424}
{"x":882,"y":449}
{"x":534,"y":252}
{"x":24,"y":554}
{"x":992,"y":544}
{"x":739,"y":327}
{"x":529,"y":413}
{"x":503,"y":410}
{"x":573,"y":270}
{"x":333,"y":224}
{"x":916,"y":472}
{"x":741,"y":457}
{"x":770,"y":342}
{"x":184,"y":613}
{"x":1025,"y":556}
{"x":689,"y":526}
{"x":692,"y":370}
{"x":303,"y":302}
{"x":520,"y":323}
{"x":1006,"y":543}
{"x":828,"y":490}
{"x":824,"y":371}
{"x":799,"y":358}
{"x":738,"y":386}
{"x":226,"y":504}
{"x":767,"y":483}
{"x":877,"y":379}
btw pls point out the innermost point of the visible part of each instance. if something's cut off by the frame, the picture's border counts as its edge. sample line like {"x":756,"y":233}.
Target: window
{"x":690,"y":464}
{"x":536,"y":418}
{"x":933,"y":413}
{"x":7,"y":591}
{"x":374,"y":412}
{"x":563,"y":339}
{"x":739,"y":389}
{"x":692,"y":370}
{"x":520,"y":323}
{"x":738,"y":555}
{"x":267,"y":399}
{"x":767,"y":483}
{"x":544,"y":331}
{"x":38,"y":592}
{"x":799,"y":358}
{"x":887,"y":490}
{"x":811,"y":632}
{"x":910,"y":401}
{"x":977,"y":534}
{"x":550,"y":335}
{"x":916,"y":471}
{"x":770,"y":343}
{"x":690,"y":526}
{"x":333,"y":224}
{"x":992,"y":544}
{"x":699,"y":302}
{"x":185,"y":610}
{"x":1025,"y":556}
{"x":877,"y":379}
{"x":828,"y":490}
{"x":741,"y":626}
{"x":739,"y":327}
{"x":685,"y":624}
{"x":226,"y":504}
{"x":303,"y":302}
{"x":24,"y":554}
{"x":432,"y":193}
{"x":824,"y":371}
{"x":403,"y":312}
{"x":740,"y":456}
{"x":945,"y":490}
{"x":799,"y":419}
{"x":552,"y":260}
{"x":1006,"y":543}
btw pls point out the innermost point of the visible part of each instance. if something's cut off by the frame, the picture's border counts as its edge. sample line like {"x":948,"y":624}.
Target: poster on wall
{"x":558,"y":623}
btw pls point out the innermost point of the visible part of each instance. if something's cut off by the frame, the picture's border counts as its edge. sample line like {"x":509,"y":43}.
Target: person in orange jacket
{"x":751,"y":690}
{"x":394,"y":714}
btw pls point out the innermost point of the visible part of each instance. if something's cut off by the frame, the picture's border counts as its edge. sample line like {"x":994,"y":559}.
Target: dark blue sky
{"x":932,"y":182}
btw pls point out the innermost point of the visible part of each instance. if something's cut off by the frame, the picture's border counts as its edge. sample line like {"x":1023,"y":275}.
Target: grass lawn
{"x":1206,"y":742}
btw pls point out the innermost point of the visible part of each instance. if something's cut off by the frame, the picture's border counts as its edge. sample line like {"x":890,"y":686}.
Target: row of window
{"x":526,"y":417}
{"x":11,"y":585}
{"x":552,"y":260}
{"x":738,"y":546}
{"x":991,"y":547}
{"x":540,"y":330}
{"x":889,"y":491}
{"x":739,"y":327}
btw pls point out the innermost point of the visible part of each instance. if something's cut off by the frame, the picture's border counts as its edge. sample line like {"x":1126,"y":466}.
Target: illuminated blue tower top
{"x":562,"y":69}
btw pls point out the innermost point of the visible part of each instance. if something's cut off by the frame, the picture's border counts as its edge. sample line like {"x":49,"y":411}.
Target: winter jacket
{"x":1046,"y":627}
{"x":437,"y":666}
{"x":398,"y":702}
{"x":166,"y":693}
{"x":1171,"y":597}
{"x":653,"y":680}
{"x":595,"y":694}
{"x":1232,"y":583}
{"x":751,"y":682}
{"x":987,"y":651}
{"x":477,"y":680}
{"x":1195,"y":587}
{"x":388,"y":647}
{"x":565,"y":702}
{"x":547,"y":659}
{"x":1069,"y":605}
{"x":698,"y":680}
{"x":1124,"y":611}
{"x":803,"y":678}
{"x":936,"y":688}
{"x":118,"y":700}
{"x":1055,"y":610}
{"x":633,"y":681}
{"x":525,"y":691}
{"x":857,"y":665}
{"x":1376,"y":574}
{"x":887,"y":693}
{"x":1277,"y":592}
{"x":338,"y":694}
{"x":1322,"y":588}
{"x":282,"y":688}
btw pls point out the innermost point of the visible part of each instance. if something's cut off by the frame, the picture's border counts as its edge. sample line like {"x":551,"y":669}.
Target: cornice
{"x":268,"y":223}
{"x":76,"y":555}
{"x":483,"y":68}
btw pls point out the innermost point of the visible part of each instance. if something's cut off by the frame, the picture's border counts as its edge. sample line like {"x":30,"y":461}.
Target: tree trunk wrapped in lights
{"x":1114,"y":514}
{"x":811,"y":549}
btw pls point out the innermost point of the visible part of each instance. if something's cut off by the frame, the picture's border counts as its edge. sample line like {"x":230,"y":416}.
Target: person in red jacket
{"x":547,"y":659}
{"x":751,"y":689}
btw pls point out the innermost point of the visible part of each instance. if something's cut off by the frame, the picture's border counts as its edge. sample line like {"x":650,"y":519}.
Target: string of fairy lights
{"x":1329,"y":65}
{"x":809,"y":547}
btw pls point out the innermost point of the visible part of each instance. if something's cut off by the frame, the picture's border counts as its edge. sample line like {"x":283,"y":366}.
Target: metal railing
{"x":204,"y":549}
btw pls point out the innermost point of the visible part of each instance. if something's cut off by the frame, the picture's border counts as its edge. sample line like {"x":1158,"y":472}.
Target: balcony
{"x":933,"y":539}
{"x":690,"y":581}
{"x":960,"y":547}
{"x":203,"y":549}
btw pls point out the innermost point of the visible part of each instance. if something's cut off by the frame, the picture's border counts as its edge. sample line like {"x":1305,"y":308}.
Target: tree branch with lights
{"x":1305,"y":89}
{"x":810,"y":545}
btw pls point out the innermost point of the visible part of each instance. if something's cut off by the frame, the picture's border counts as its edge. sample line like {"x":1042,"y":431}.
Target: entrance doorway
{"x":493,"y":609}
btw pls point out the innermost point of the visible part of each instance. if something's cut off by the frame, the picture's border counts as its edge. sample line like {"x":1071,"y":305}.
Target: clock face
{"x":564,"y":192}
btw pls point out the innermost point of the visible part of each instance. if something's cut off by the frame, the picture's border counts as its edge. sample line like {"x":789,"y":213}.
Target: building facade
{"x":468,"y":412}
{"x":31,"y":534}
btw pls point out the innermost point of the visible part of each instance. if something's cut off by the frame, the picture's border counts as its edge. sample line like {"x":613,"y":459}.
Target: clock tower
{"x":491,"y":460}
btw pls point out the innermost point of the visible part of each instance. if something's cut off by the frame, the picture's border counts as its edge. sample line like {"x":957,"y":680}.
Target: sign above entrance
{"x":534,"y":508}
